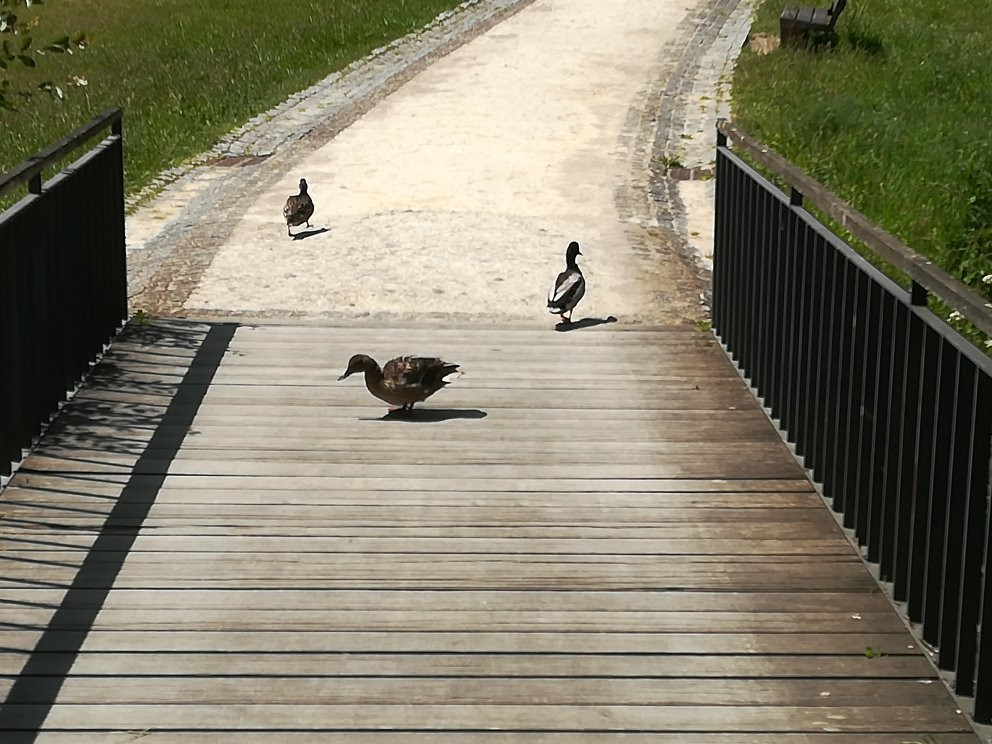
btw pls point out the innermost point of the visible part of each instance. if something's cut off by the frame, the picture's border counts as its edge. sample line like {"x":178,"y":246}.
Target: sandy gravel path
{"x":450,"y":189}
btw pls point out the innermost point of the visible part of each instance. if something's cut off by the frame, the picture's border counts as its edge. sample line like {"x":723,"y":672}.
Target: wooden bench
{"x":796,"y":22}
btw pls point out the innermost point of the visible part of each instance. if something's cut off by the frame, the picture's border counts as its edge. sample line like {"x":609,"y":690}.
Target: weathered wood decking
{"x":589,"y":533}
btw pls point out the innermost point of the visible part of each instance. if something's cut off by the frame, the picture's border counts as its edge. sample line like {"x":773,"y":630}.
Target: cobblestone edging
{"x":303,"y":111}
{"x":696,"y":95}
{"x":675,"y":121}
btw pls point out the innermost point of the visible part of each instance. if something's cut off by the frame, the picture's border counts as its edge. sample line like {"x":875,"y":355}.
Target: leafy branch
{"x":19,"y":51}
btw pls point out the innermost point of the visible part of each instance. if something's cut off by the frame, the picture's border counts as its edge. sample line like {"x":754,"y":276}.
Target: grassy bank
{"x":187,"y":71}
{"x":894,"y":118}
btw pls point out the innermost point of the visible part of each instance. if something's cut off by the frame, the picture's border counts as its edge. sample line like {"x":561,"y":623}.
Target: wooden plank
{"x":674,"y":565}
{"x":599,"y":666}
{"x":496,"y":691}
{"x":783,"y":603}
{"x":202,"y":546}
{"x":258,"y":399}
{"x":667,"y":426}
{"x":533,"y":717}
{"x":404,"y":452}
{"x":589,"y":384}
{"x":181,"y":528}
{"x":42,"y":479}
{"x":368,"y":411}
{"x":334,"y":433}
{"x":742,"y":467}
{"x":681,"y":466}
{"x":238,"y":641}
{"x":147,"y":736}
{"x":261,"y":328}
{"x":511,"y":621}
{"x":465,"y":513}
{"x":393,"y":573}
{"x":198,"y":446}
{"x":95,"y":492}
{"x":484,"y":374}
{"x":343,"y":420}
{"x":478,"y":365}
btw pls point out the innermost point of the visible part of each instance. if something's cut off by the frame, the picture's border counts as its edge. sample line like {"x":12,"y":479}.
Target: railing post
{"x":983,"y":663}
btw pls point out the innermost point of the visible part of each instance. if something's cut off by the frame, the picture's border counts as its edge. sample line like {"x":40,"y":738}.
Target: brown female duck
{"x":404,"y":380}
{"x":298,"y":209}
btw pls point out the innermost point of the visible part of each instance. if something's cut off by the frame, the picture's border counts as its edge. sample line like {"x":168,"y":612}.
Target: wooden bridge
{"x":590,"y":533}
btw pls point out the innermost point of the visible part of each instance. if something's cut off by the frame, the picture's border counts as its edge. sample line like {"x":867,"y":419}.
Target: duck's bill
{"x":342,"y":376}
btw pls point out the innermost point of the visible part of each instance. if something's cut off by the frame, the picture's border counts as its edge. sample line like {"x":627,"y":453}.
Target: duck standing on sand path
{"x":568,"y":287}
{"x":298,"y":209}
{"x":404,"y":380}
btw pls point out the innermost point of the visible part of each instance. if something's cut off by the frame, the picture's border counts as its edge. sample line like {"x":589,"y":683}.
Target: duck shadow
{"x":431,"y":415}
{"x":309,"y":233}
{"x":584,"y":323}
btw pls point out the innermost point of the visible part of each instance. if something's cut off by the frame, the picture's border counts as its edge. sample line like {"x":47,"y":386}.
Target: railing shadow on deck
{"x":887,"y":405}
{"x":33,"y":692}
{"x":63,"y":281}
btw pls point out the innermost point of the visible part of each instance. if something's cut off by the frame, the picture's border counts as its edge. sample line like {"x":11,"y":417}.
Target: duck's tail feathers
{"x":450,"y":371}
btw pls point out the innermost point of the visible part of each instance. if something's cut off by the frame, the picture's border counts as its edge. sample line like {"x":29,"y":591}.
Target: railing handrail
{"x":890,"y":249}
{"x":33,"y":166}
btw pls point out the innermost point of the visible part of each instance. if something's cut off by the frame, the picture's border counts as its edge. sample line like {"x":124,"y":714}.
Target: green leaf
{"x":25,"y":43}
{"x":25,"y":60}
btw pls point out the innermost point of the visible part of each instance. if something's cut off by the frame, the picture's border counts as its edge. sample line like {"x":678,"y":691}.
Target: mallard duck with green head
{"x":569,"y":286}
{"x":404,"y":380}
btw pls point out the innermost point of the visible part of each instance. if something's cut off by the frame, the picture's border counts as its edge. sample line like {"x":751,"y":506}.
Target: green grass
{"x":187,"y":71}
{"x":893,"y":118}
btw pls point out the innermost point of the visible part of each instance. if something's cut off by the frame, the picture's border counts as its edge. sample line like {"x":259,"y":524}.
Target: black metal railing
{"x":63,"y":283}
{"x":889,"y":407}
